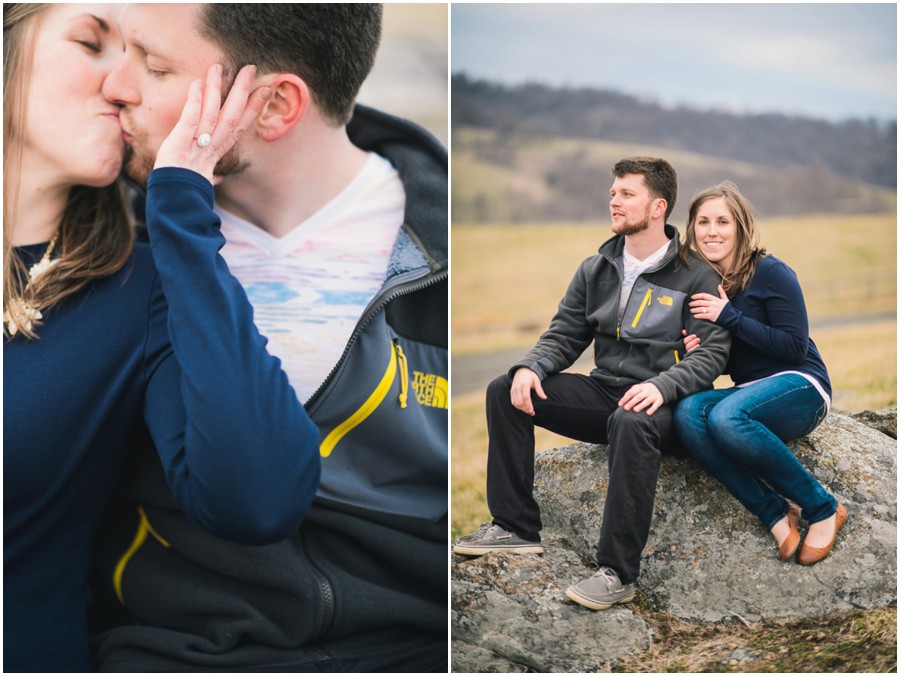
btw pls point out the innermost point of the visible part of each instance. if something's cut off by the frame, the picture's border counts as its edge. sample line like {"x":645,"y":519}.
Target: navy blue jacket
{"x":770,"y":328}
{"x":113,"y":365}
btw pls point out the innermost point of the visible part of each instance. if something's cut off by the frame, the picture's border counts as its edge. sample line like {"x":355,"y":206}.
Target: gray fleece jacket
{"x":646,"y":346}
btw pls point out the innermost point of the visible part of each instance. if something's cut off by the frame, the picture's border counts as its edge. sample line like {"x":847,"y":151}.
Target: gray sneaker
{"x":497,"y":540}
{"x":601,"y":590}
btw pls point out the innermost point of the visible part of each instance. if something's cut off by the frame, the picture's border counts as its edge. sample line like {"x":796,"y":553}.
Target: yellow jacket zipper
{"x":144,"y":528}
{"x":647,"y":298}
{"x":374,"y":400}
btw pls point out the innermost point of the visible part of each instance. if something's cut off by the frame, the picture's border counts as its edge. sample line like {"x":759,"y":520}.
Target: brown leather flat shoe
{"x":810,"y":555}
{"x":787,"y":548}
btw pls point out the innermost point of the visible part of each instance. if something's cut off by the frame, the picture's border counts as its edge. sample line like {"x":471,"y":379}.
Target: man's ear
{"x":284,"y":108}
{"x":659,"y":211}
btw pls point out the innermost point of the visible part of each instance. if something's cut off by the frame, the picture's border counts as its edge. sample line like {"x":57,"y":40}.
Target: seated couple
{"x":666,"y":319}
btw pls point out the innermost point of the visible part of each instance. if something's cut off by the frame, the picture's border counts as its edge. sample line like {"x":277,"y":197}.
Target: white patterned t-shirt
{"x":633,"y":267}
{"x":309,"y":287}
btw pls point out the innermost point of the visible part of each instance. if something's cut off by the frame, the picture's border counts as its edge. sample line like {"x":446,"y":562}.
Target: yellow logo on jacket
{"x":664,"y":300}
{"x":431,"y":390}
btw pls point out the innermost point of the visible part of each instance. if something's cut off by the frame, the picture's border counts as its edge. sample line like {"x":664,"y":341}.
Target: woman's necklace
{"x":20,"y":314}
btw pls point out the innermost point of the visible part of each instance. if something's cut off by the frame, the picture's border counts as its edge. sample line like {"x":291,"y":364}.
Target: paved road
{"x":473,"y":372}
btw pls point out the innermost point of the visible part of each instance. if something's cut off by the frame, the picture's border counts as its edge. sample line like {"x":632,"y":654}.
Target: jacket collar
{"x":614,"y":247}
{"x":421,"y":162}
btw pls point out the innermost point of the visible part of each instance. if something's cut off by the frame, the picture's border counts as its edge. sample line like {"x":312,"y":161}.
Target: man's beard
{"x":138,"y":166}
{"x":634,"y":227}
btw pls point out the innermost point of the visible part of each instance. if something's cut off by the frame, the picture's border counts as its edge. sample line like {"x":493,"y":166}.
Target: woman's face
{"x":715,"y":232}
{"x":72,"y":134}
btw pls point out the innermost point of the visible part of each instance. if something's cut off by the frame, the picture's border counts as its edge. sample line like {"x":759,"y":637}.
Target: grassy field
{"x":506,"y":283}
{"x":508,"y":279}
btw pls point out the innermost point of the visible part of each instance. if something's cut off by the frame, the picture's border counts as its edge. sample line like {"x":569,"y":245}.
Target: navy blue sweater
{"x":117,"y":364}
{"x":770,"y":329}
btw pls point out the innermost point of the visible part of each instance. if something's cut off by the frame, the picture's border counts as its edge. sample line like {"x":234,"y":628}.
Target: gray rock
{"x":883,"y":420}
{"x":515,"y":608}
{"x":741,"y":655}
{"x":468,"y":658}
{"x":707,"y":559}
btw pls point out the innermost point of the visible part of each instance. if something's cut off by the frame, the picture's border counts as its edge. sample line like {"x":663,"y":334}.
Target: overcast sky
{"x":832,"y":61}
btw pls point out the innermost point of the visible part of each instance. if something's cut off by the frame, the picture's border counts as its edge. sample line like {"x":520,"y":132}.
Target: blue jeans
{"x":738,"y":435}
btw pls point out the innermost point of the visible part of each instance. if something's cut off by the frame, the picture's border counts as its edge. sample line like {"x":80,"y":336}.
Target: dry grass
{"x":468,"y":431}
{"x":862,"y":363}
{"x":507,"y":279}
{"x":857,"y":642}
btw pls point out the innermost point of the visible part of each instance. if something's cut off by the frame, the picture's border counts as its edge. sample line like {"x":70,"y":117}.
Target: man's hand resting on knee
{"x":523,"y":382}
{"x":639,"y":397}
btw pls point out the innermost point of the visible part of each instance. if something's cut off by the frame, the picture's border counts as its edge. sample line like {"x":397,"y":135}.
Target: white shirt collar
{"x":652,"y":259}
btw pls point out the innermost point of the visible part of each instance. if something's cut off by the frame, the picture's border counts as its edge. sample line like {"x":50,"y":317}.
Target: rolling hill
{"x":533,"y":153}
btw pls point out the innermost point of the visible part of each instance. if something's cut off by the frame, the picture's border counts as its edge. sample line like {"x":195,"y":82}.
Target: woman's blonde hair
{"x":95,"y":234}
{"x":747,"y":251}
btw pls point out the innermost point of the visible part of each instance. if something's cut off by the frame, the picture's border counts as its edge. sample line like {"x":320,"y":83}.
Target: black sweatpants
{"x":582,"y":408}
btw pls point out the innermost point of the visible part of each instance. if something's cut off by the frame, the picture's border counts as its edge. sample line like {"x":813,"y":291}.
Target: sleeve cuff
{"x":182,"y":177}
{"x":729,"y":317}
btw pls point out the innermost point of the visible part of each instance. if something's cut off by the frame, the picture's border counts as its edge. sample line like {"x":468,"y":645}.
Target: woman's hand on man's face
{"x":218,"y":127}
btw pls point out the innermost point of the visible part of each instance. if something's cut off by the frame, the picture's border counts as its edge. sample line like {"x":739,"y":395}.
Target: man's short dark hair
{"x":659,"y":175}
{"x":330,"y":46}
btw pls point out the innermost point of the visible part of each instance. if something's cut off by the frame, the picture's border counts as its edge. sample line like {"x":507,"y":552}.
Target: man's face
{"x":164,"y":53}
{"x":630,"y":204}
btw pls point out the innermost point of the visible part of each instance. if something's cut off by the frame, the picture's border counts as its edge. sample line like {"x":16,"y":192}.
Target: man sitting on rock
{"x":631,"y":299}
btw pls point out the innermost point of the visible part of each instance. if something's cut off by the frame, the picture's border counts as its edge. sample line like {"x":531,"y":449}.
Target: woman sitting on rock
{"x":782,"y":390}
